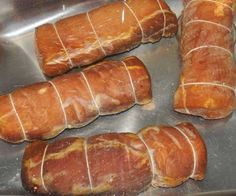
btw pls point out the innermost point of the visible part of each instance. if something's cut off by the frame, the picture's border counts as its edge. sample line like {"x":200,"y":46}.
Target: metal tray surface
{"x":19,"y":67}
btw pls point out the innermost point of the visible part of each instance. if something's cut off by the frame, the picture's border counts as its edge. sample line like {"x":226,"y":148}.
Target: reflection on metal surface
{"x":32,"y":26}
{"x":18,"y":67}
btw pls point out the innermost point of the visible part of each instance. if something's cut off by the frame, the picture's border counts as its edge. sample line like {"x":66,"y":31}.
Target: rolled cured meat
{"x":115,"y":163}
{"x":208,"y":79}
{"x":43,"y":110}
{"x":114,"y":28}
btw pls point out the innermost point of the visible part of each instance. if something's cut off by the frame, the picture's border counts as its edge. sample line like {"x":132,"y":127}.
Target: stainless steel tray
{"x":18,"y":67}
